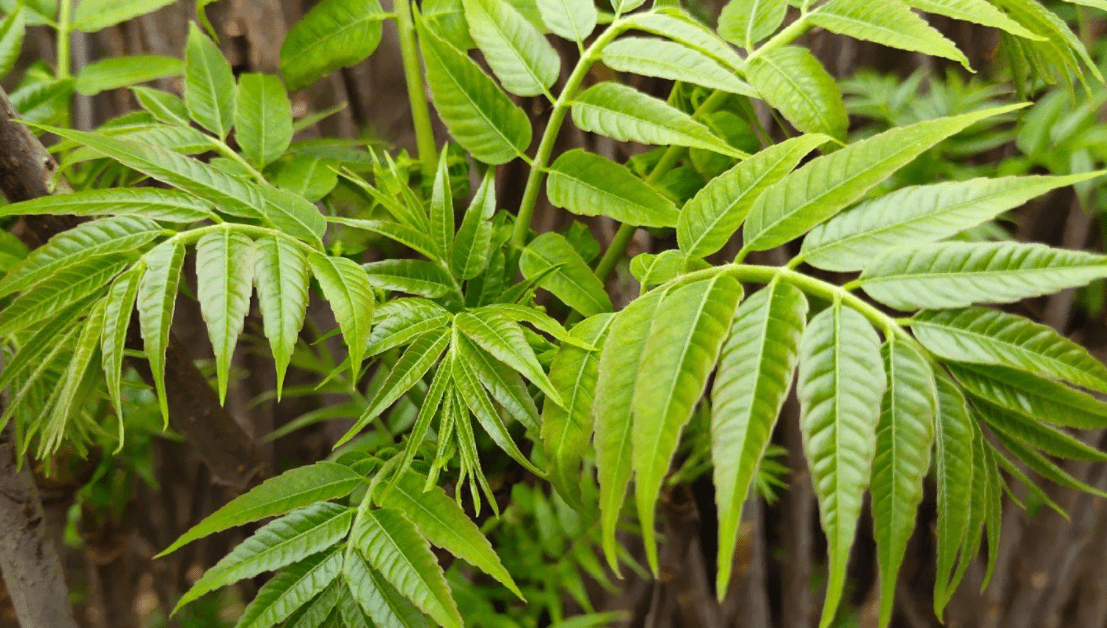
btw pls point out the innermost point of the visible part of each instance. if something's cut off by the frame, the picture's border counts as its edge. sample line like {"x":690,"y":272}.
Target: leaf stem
{"x":226,"y":151}
{"x":553,"y":128}
{"x":791,"y":33}
{"x":65,"y":28}
{"x":809,"y":285}
{"x":416,"y":92}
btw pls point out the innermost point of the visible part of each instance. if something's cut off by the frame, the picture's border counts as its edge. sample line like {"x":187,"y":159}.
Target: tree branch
{"x":26,"y":172}
{"x":30,"y":564}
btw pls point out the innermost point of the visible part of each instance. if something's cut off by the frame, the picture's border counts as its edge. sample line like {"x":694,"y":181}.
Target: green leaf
{"x":993,"y":515}
{"x":399,"y":321}
{"x":1031,"y":457}
{"x":755,"y":374}
{"x":96,"y":15}
{"x":289,"y":213}
{"x":1032,"y":396}
{"x":377,"y":598}
{"x":571,"y":19}
{"x":306,"y":176}
{"x":553,"y":264}
{"x":975,"y":11}
{"x":70,"y":385}
{"x":350,"y":294}
{"x":652,"y":269}
{"x":612,"y":409}
{"x":150,"y":203}
{"x":959,"y":274}
{"x":904,"y":437}
{"x":297,"y":488}
{"x":12,"y":30}
{"x":711,"y":217}
{"x":473,"y":245}
{"x":120,"y":305}
{"x":469,"y":391}
{"x":436,"y":394}
{"x":984,"y":336}
{"x":409,"y":370}
{"x":291,"y":589}
{"x":954,"y":471}
{"x":157,"y":299}
{"x":590,"y":185}
{"x":505,"y":385}
{"x":626,"y":114}
{"x":625,"y":6}
{"x":283,"y":542}
{"x":62,"y":289}
{"x":567,"y":430}
{"x":672,"y":61}
{"x":1063,"y":47}
{"x":841,"y":380}
{"x":263,"y":118}
{"x":393,"y":546}
{"x":1035,"y":433}
{"x":282,"y":274}
{"x":42,"y":98}
{"x":793,"y":81}
{"x":334,"y":34}
{"x":681,"y":27}
{"x":478,"y":115}
{"x":409,"y":275}
{"x":919,"y":215}
{"x":504,"y":339}
{"x":209,"y":84}
{"x":978,"y":505}
{"x":90,"y":239}
{"x":447,"y":19}
{"x":348,"y":611}
{"x":224,"y":281}
{"x":444,"y":524}
{"x":678,"y":356}
{"x":827,"y":185}
{"x":525,"y":63}
{"x":890,"y":23}
{"x":442,"y":210}
{"x":746,"y":22}
{"x":184,"y":140}
{"x":116,"y":72}
{"x":314,"y":614}
{"x":165,"y":107}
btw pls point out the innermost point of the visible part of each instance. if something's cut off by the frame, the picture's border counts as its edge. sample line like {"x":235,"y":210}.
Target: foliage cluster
{"x":877,"y":315}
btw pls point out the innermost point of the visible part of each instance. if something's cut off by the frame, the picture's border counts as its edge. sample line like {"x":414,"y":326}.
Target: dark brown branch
{"x":26,"y":172}
{"x":30,"y":564}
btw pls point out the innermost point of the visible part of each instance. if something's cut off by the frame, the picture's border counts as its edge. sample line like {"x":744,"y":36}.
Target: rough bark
{"x":30,"y":564}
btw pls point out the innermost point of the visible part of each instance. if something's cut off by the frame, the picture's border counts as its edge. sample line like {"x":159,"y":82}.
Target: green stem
{"x":226,"y":151}
{"x":809,"y":285}
{"x":553,"y":128}
{"x":617,"y":249}
{"x":416,"y":93}
{"x":193,"y":235}
{"x":791,"y":33}
{"x":65,"y":29}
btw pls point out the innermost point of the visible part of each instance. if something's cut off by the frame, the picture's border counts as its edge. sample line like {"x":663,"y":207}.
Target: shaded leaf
{"x":756,"y":368}
{"x":841,"y":380}
{"x":678,"y":356}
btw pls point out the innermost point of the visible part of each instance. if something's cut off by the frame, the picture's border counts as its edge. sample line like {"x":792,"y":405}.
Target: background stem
{"x":416,"y":92}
